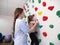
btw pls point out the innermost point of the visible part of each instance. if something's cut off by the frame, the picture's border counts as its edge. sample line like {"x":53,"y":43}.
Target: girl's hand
{"x":36,"y":22}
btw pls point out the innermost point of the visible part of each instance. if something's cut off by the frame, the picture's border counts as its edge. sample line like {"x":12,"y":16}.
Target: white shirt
{"x":21,"y":30}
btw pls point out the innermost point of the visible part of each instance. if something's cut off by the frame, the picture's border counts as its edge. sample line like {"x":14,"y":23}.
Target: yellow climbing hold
{"x":40,"y":13}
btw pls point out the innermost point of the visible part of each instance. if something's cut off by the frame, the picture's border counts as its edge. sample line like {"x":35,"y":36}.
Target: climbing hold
{"x":39,"y":1}
{"x":44,"y":34}
{"x":44,"y":4}
{"x":24,"y":16}
{"x":45,"y":18}
{"x":51,"y":26}
{"x":39,"y":40}
{"x":40,"y":13}
{"x":27,"y":10}
{"x":51,"y":8}
{"x":58,"y":36}
{"x":32,"y":6}
{"x":36,"y":8}
{"x":24,"y":7}
{"x":58,"y":13}
{"x":40,"y":26}
{"x":32,"y":1}
{"x":51,"y":43}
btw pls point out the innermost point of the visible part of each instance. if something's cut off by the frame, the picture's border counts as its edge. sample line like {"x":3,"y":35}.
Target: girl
{"x":20,"y":28}
{"x":31,"y":22}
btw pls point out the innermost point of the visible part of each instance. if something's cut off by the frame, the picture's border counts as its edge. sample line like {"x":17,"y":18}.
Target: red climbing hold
{"x":51,"y":8}
{"x":44,"y":4}
{"x":36,"y":8}
{"x":45,"y":18}
{"x":24,"y":8}
{"x":44,"y":34}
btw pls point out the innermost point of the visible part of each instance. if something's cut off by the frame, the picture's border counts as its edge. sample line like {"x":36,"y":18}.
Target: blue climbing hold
{"x":40,"y":26}
{"x":32,"y":6}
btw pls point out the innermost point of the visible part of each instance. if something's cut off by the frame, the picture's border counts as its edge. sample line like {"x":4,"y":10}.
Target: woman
{"x":31,"y":22}
{"x":20,"y":28}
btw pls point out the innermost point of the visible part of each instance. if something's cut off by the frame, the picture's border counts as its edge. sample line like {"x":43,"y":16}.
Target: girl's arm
{"x":32,"y":27}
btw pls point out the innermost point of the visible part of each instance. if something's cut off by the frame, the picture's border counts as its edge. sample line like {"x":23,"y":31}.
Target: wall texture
{"x":48,"y":14}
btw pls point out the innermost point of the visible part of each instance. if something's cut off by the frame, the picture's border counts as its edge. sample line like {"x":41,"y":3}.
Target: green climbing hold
{"x":51,"y":26}
{"x":26,"y":4}
{"x":51,"y":43}
{"x":39,"y":40}
{"x":32,"y":1}
{"x":27,"y":11}
{"x":58,"y":36}
{"x":39,"y":1}
{"x":58,"y":13}
{"x":24,"y":16}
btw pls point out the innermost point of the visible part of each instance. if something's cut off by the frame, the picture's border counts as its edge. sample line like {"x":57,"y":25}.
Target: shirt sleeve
{"x":24,"y":27}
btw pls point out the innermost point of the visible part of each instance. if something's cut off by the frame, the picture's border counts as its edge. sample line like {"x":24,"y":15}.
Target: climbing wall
{"x":48,"y":14}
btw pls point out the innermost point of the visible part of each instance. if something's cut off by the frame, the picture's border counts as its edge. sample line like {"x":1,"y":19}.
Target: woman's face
{"x":22,"y":15}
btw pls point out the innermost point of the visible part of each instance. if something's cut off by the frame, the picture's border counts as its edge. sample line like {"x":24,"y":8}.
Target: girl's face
{"x":33,"y":19}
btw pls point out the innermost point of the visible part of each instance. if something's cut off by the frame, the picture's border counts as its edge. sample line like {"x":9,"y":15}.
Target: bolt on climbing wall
{"x":48,"y":14}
